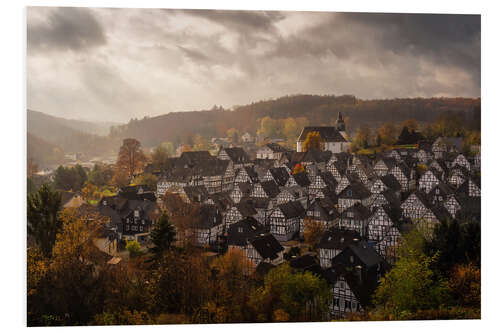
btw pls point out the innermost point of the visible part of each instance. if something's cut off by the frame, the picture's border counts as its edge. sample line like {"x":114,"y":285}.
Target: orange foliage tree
{"x":131,"y":158}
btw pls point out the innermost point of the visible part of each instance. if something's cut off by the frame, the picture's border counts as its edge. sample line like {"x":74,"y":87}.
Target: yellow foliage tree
{"x":313,"y":141}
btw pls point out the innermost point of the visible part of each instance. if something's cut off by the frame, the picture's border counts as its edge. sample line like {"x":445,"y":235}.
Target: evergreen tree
{"x":43,"y":222}
{"x":162,"y":235}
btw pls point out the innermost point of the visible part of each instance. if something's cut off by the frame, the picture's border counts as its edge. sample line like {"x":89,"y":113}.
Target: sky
{"x":108,"y":64}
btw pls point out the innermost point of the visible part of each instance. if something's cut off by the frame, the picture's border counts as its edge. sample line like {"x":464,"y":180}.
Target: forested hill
{"x":97,"y":128}
{"x":318,"y":109}
{"x":67,"y":135}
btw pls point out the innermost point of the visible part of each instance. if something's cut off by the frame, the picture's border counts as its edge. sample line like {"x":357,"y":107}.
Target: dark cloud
{"x":65,"y":28}
{"x":154,"y":61}
{"x":242,"y":21}
{"x":193,"y":54}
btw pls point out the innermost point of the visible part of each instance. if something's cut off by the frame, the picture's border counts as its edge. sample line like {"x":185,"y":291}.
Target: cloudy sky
{"x":114,"y":64}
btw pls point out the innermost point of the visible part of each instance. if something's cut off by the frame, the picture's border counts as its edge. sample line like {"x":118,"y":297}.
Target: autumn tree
{"x":43,"y":222}
{"x":159,"y":158}
{"x":302,"y":296}
{"x":134,"y":248}
{"x":361,"y":139}
{"x":411,"y":285}
{"x":313,"y":141}
{"x":465,"y":285}
{"x":411,"y":125}
{"x":131,"y":158}
{"x":387,"y":133}
{"x":70,"y":291}
{"x":298,"y":168}
{"x":313,"y":230}
{"x":183,"y":216}
{"x":146,"y":179}
{"x":230,"y":286}
{"x":120,"y":179}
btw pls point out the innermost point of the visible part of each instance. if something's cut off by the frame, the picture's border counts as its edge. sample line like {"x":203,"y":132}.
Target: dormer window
{"x":351,"y":259}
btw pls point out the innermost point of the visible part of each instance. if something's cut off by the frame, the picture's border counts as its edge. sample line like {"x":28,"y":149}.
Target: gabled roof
{"x":240,"y":232}
{"x":196,"y":193}
{"x":246,"y":207}
{"x":270,"y":188}
{"x":391,"y":182}
{"x":335,"y":238}
{"x":292,"y":209}
{"x":280,"y":175}
{"x":276,"y":148}
{"x":355,"y":190}
{"x":327,"y":133}
{"x":267,"y":246}
{"x":301,"y":179}
{"x":358,"y":211}
{"x":237,"y":155}
{"x":210,"y":217}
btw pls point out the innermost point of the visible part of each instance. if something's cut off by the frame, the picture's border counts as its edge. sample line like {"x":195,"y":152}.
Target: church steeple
{"x":340,"y":123}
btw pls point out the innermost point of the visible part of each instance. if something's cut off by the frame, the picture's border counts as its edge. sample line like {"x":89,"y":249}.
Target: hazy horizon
{"x":101,"y":64}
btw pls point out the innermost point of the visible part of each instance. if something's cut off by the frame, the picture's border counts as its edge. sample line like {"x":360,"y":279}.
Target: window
{"x":136,"y":213}
{"x":351,"y":259}
{"x":341,"y":285}
{"x":348,"y":304}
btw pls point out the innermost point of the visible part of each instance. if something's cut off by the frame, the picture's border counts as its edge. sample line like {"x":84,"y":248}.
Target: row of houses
{"x":364,"y":204}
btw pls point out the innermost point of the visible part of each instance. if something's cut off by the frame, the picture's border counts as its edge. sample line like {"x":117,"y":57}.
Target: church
{"x":335,"y":137}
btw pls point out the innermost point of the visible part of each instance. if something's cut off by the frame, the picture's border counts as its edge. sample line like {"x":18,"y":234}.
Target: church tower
{"x":341,"y":126}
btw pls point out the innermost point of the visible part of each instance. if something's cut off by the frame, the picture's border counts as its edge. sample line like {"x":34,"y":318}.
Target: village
{"x":320,"y":208}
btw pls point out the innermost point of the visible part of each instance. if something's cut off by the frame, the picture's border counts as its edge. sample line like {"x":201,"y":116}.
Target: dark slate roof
{"x":391,"y":182}
{"x":366,"y":254}
{"x":252,"y":174}
{"x":359,"y":211}
{"x":355,"y":190}
{"x":267,"y":246}
{"x":327,"y":133}
{"x":222,"y":200}
{"x":392,"y":198}
{"x":246,"y":207}
{"x":245,"y":188}
{"x":327,"y":209}
{"x":301,"y":179}
{"x":292,"y":209}
{"x":276,"y":148}
{"x":335,"y":238}
{"x":340,"y":166}
{"x":210,"y":217}
{"x":237,"y":155}
{"x":329,"y":180}
{"x":316,"y":156}
{"x":307,"y":262}
{"x":390,"y":162}
{"x":134,"y":189}
{"x":240,"y":232}
{"x":196,"y":193}
{"x":280,"y":175}
{"x":441,"y":213}
{"x":270,"y":188}
{"x":195,"y":157}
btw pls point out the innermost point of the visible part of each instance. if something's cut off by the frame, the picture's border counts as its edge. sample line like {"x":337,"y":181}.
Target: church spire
{"x":340,"y":123}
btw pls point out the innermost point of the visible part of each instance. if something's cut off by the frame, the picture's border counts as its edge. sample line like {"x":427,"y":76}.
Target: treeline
{"x":318,"y":110}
